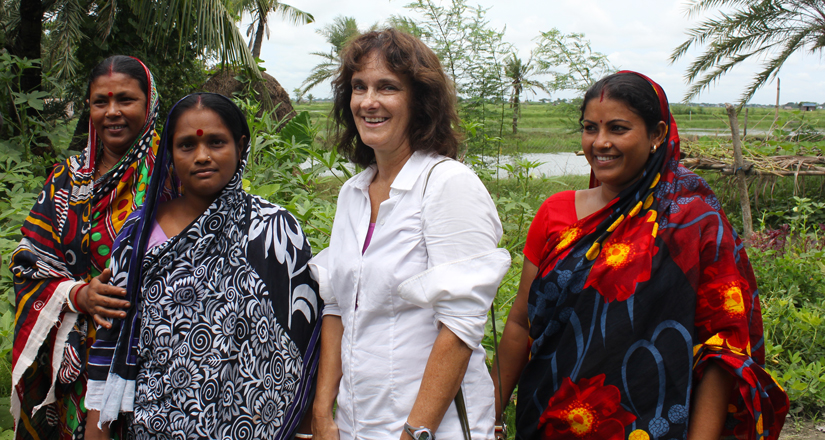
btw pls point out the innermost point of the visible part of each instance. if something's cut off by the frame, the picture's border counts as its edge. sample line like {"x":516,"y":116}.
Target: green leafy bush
{"x":790,"y":272}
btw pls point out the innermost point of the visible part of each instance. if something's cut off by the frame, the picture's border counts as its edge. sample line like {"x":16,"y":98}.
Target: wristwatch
{"x":420,"y":433}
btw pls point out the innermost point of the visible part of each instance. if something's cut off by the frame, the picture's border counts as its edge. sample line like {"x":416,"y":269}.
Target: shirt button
{"x":381,"y":222}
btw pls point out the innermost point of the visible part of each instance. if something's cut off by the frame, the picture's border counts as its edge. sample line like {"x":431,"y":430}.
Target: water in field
{"x":552,"y":164}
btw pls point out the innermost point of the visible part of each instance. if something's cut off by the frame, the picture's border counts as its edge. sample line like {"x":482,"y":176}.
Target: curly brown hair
{"x":433,"y":115}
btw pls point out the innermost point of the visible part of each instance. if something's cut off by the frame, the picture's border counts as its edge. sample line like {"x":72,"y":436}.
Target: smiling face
{"x":380,"y":104}
{"x":616,"y":142}
{"x":204,"y":153}
{"x":117,"y":108}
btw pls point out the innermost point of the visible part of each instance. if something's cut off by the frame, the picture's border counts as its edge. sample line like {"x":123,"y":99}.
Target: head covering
{"x":67,"y":239}
{"x":230,"y":302}
{"x":629,"y":305}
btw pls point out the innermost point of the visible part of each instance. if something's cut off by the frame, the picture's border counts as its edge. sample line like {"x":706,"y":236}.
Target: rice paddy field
{"x":549,"y":128}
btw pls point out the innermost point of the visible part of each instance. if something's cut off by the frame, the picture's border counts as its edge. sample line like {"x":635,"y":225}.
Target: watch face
{"x":424,"y":436}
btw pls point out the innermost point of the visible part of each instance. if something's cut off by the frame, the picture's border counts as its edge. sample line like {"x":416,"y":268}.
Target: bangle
{"x":73,"y":300}
{"x":70,"y":304}
{"x":299,"y":435}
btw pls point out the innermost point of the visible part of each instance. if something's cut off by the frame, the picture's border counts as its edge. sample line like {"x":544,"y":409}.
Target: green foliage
{"x":791,"y":276}
{"x":260,"y":11}
{"x":337,"y":34}
{"x":175,"y":63}
{"x":570,"y":61}
{"x":28,"y":134}
{"x":287,"y":168}
{"x":18,"y":193}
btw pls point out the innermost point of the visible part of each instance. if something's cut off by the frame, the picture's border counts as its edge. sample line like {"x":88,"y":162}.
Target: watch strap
{"x":415,"y":433}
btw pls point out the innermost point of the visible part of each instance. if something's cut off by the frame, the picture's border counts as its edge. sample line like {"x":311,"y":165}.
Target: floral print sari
{"x":629,"y":306}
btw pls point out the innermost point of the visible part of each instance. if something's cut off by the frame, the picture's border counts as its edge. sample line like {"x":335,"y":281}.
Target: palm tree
{"x":211,"y":22}
{"x":764,"y":29}
{"x":260,"y":10}
{"x":338,"y":34}
{"x":521,"y":79}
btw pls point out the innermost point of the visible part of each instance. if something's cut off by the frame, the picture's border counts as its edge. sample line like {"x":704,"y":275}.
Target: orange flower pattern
{"x":587,"y":410}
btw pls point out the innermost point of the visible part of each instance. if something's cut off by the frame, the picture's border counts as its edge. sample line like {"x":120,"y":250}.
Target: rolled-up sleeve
{"x":461,"y":231}
{"x":318,"y":266}
{"x":460,"y":292}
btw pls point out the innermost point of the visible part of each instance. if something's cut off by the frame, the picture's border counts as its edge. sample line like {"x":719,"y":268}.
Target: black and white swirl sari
{"x":221,"y":340}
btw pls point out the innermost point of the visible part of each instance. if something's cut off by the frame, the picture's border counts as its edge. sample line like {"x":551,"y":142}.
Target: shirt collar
{"x":409,"y":174}
{"x":405,"y":179}
{"x":362,"y":180}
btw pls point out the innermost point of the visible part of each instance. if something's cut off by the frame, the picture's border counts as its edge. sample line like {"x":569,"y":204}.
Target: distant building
{"x":807,"y":106}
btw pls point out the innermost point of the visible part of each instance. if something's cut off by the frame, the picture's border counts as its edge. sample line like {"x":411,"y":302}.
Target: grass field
{"x":548,"y":128}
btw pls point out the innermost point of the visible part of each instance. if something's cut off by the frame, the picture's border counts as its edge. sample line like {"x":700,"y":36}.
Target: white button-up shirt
{"x":432,"y":261}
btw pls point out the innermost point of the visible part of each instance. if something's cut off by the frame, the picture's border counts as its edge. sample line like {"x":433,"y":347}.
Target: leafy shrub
{"x":287,"y":166}
{"x":789,"y":268}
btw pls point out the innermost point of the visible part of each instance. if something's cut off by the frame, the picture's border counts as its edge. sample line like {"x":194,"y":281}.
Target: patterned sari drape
{"x":629,"y":306}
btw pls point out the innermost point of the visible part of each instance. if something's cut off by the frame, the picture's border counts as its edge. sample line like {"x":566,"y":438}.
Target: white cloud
{"x":636,"y":34}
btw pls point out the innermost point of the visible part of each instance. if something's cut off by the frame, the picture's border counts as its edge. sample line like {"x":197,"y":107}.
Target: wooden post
{"x":745,"y":125}
{"x":776,"y":114}
{"x":741,"y":179}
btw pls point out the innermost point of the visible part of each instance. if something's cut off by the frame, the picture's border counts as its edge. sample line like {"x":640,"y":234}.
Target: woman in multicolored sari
{"x":637,"y":316}
{"x":221,"y":338}
{"x":60,"y":266}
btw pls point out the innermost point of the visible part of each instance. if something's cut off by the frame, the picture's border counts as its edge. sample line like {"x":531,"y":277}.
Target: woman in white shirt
{"x":412,"y":266}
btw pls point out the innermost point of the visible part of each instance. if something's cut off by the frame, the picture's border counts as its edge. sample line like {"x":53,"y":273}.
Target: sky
{"x":634,"y":34}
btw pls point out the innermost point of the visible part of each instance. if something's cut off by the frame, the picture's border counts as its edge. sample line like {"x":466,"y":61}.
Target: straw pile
{"x":224,"y":82}
{"x":720,"y":158}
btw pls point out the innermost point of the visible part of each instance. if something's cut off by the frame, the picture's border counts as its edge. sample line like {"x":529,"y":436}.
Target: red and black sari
{"x":631,"y":303}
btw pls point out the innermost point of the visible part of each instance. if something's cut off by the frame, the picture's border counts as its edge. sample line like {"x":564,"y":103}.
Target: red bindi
{"x":199,"y":132}
{"x":111,"y":94}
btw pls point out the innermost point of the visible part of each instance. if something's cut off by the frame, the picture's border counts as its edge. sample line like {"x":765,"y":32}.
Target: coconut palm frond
{"x":338,"y":34}
{"x":106,"y":18}
{"x":210,"y":21}
{"x":292,"y":14}
{"x":66,"y":32}
{"x":769,"y":30}
{"x":11,"y":18}
{"x":320,"y":73}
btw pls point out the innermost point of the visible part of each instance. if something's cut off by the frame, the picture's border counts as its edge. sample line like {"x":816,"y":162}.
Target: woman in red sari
{"x":637,"y":316}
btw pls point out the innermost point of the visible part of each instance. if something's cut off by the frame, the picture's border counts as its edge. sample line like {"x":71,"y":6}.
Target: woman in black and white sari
{"x":221,"y":339}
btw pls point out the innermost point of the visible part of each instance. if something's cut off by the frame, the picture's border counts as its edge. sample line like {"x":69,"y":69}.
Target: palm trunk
{"x":27,"y":45}
{"x":259,"y":37}
{"x":28,"y":40}
{"x":515,"y":113}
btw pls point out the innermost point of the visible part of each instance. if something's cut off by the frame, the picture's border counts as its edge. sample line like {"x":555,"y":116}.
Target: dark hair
{"x":120,"y":64}
{"x":433,"y":116}
{"x":631,"y":89}
{"x":229,"y":113}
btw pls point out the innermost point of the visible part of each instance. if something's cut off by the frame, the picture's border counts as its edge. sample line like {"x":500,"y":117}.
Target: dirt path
{"x":804,"y":430}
